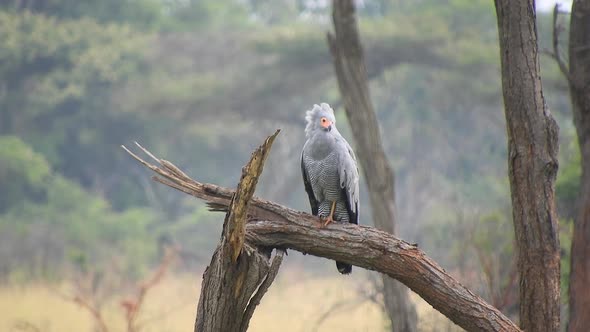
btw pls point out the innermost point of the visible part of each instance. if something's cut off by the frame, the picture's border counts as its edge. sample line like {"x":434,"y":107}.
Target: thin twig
{"x":338,"y":306}
{"x":507,"y":291}
{"x":555,"y":54}
{"x":85,"y":304}
{"x":92,"y":310}
{"x":132,"y":306}
{"x":362,"y":295}
{"x":377,"y":285}
{"x":163,"y":314}
{"x":23,"y":325}
{"x":148,"y":153}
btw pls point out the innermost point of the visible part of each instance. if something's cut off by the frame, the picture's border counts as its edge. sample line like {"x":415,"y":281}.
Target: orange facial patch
{"x":324,"y":122}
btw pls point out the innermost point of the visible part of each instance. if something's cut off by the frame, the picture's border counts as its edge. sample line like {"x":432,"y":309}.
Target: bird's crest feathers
{"x":313,"y":115}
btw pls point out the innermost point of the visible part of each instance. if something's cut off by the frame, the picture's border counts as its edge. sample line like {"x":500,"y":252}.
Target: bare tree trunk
{"x":532,"y":162}
{"x":239,"y":274}
{"x":351,"y":73}
{"x":271,"y":225}
{"x":579,"y":79}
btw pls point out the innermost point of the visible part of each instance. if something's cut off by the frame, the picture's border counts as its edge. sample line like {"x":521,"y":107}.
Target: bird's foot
{"x":326,"y":221}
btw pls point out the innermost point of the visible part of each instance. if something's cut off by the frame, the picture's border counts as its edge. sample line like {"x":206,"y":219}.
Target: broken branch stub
{"x":234,"y":225}
{"x":239,"y":274}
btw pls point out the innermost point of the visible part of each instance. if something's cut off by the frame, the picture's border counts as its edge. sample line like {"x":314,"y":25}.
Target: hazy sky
{"x":548,"y":4}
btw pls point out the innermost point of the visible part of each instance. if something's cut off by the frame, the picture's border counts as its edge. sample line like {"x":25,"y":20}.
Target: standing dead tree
{"x":239,"y":274}
{"x":241,"y":270}
{"x":349,"y":65}
{"x":532,"y":163}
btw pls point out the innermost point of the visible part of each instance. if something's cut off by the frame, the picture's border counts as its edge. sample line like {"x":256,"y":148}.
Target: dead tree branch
{"x":373,"y":249}
{"x":96,"y":314}
{"x":558,"y":29}
{"x":239,"y":273}
{"x":133,"y":305}
{"x":89,"y":307}
{"x":347,"y":305}
{"x":339,"y":307}
{"x":271,"y":225}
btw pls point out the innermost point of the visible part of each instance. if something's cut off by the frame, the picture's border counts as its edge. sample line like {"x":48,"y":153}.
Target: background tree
{"x":349,"y":66}
{"x":579,"y":82}
{"x":532,"y":162}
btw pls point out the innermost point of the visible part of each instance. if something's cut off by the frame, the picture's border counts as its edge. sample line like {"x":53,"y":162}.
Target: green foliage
{"x":205,"y":14}
{"x":294,"y":43}
{"x":566,"y":230}
{"x":199,"y":228}
{"x":494,"y":234}
{"x":146,"y":14}
{"x":23,"y":173}
{"x":478,"y":247}
{"x":51,"y":65}
{"x":79,"y":228}
{"x":59,"y":75}
{"x":567,"y":186}
{"x":568,"y":183}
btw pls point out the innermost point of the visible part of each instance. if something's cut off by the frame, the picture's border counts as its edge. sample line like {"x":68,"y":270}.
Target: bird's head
{"x":320,"y":118}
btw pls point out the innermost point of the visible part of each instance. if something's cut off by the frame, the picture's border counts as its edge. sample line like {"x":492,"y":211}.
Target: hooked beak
{"x":327,"y":126}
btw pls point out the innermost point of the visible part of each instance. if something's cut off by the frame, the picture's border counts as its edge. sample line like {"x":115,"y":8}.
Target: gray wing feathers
{"x":349,"y":175}
{"x":313,"y":202}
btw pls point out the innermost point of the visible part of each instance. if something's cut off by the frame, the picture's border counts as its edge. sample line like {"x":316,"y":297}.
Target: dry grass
{"x":294,"y":302}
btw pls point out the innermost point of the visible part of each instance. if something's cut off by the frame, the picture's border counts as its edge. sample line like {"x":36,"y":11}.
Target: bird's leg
{"x":330,"y":218}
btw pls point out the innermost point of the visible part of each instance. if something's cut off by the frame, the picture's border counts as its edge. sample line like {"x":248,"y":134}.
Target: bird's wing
{"x":349,"y":180}
{"x":312,"y":200}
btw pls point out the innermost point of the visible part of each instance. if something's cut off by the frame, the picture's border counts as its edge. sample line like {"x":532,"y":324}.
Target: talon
{"x":323,"y":221}
{"x":330,"y":218}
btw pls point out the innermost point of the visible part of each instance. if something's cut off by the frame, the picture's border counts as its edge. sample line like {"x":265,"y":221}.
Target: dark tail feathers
{"x":344,"y":268}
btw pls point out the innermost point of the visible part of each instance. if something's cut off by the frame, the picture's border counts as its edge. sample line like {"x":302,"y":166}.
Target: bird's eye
{"x":324,"y":120}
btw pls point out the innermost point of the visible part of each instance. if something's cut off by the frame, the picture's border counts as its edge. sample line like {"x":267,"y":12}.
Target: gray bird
{"x":330,"y":173}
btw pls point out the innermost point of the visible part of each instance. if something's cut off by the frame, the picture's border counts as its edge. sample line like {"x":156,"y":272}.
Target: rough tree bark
{"x":239,"y":273}
{"x":579,"y":80}
{"x":347,"y":53}
{"x":271,"y":225}
{"x":532,"y":162}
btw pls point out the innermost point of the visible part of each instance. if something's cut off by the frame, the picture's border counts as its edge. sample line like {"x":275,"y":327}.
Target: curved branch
{"x":273,"y":225}
{"x":373,"y":249}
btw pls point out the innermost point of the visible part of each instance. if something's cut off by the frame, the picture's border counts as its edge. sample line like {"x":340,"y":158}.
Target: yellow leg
{"x":330,"y":218}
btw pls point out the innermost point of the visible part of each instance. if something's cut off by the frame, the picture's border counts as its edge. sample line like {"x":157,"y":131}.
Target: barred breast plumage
{"x":325,"y":182}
